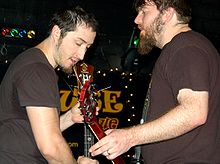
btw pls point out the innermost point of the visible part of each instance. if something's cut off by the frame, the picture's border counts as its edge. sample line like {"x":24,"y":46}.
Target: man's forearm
{"x":66,"y":121}
{"x":59,"y":153}
{"x":67,"y":160}
{"x":176,"y":122}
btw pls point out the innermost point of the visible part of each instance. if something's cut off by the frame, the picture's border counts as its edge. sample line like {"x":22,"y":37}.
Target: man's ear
{"x":56,"y":32}
{"x":168,"y":14}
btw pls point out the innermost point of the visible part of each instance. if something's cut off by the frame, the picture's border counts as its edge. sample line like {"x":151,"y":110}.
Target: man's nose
{"x":81,"y":53}
{"x":137,"y":20}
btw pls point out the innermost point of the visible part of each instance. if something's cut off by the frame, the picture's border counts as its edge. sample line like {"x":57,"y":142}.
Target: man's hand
{"x":85,"y":160}
{"x":77,"y":116}
{"x":114,"y":144}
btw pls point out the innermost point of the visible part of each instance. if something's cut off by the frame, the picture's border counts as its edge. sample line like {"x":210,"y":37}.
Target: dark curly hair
{"x":182,"y":7}
{"x":69,"y":19}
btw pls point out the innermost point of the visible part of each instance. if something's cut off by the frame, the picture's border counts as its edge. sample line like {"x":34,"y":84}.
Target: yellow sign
{"x":108,"y":102}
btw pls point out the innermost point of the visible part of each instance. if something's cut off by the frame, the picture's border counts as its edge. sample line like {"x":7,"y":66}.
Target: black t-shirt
{"x":188,"y":61}
{"x":30,"y":81}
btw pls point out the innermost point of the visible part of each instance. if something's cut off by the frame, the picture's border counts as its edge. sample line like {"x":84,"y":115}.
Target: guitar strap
{"x":146,"y":105}
{"x":137,"y":148}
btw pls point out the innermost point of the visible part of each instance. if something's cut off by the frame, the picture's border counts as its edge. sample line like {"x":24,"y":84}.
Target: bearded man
{"x":183,"y":100}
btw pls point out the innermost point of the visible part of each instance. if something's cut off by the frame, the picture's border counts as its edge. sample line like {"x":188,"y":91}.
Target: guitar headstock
{"x":85,"y":72}
{"x":87,"y":91}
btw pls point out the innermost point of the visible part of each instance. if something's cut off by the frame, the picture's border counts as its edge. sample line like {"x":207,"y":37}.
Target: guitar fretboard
{"x":88,"y":140}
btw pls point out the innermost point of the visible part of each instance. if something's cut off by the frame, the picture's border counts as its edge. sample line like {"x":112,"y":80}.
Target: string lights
{"x":126,"y":83}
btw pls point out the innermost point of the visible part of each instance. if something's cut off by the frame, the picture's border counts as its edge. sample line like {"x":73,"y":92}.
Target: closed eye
{"x":79,"y":44}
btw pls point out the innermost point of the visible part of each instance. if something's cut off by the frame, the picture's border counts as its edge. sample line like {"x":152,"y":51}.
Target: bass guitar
{"x":88,"y":106}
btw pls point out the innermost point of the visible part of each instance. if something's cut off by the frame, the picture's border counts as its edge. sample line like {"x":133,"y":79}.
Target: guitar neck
{"x":99,"y":134}
{"x":88,"y":140}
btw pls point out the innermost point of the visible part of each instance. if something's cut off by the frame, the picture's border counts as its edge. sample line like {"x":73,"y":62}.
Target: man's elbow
{"x":49,"y":152}
{"x":200,"y":119}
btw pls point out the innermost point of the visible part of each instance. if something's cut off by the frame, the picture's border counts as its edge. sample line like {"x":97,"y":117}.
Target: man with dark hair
{"x":30,"y":126}
{"x":183,"y":101}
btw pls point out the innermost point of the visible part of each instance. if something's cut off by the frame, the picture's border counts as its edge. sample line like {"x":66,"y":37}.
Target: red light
{"x":5,"y":31}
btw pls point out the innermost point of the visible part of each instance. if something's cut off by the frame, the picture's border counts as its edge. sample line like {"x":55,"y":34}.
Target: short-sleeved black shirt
{"x":188,"y":61}
{"x":30,"y":81}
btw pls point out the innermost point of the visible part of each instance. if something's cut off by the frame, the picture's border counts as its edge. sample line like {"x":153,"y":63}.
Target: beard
{"x":68,"y":70}
{"x":59,"y":59}
{"x":147,"y":39}
{"x":146,"y":44}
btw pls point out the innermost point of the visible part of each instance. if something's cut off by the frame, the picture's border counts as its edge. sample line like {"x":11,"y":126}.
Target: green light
{"x":136,"y":41}
{"x":14,"y":32}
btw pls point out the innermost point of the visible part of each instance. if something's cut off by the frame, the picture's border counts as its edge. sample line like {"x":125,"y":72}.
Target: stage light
{"x":136,"y":42}
{"x":5,"y":31}
{"x":14,"y":33}
{"x":22,"y":33}
{"x":31,"y":34}
{"x":17,"y":33}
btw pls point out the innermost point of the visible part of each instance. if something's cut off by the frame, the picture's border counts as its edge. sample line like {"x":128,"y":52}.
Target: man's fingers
{"x":99,"y":148}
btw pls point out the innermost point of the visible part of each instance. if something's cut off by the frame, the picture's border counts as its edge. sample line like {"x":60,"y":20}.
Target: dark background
{"x":116,"y":25}
{"x":114,"y":16}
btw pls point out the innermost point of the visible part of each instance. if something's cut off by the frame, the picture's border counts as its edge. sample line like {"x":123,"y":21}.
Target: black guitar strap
{"x":137,"y":155}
